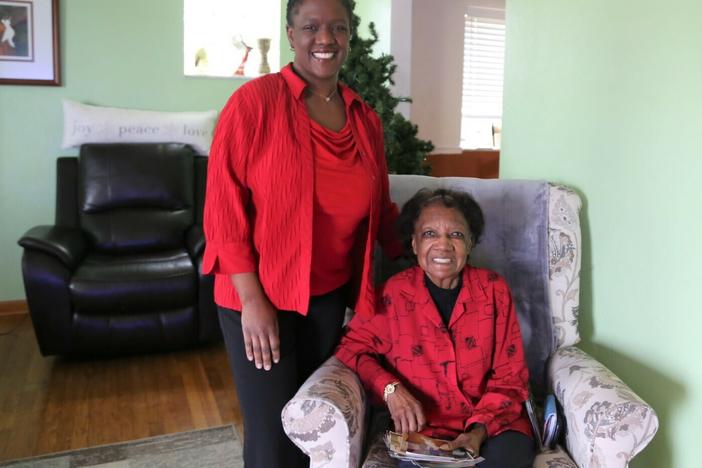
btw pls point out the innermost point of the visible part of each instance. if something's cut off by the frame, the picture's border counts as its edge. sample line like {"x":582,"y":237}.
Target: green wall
{"x":605,"y":96}
{"x":378,"y":12}
{"x":125,"y":53}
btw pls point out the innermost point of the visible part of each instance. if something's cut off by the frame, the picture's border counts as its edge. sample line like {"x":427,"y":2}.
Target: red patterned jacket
{"x":471,"y":372}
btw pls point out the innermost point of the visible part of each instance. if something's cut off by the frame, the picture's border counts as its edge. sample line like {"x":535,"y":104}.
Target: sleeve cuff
{"x":380,"y":382}
{"x":228,"y":258}
{"x":484,"y":420}
{"x":366,"y":366}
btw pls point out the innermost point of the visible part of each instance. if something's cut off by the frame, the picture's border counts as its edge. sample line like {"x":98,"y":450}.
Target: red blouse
{"x":472,"y":371}
{"x":341,"y":203}
{"x":260,"y":194}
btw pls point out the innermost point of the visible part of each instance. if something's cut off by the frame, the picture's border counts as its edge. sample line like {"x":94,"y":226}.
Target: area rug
{"x":213,"y":447}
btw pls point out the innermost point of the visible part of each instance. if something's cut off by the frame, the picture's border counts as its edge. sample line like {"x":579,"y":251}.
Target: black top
{"x":444,"y":299}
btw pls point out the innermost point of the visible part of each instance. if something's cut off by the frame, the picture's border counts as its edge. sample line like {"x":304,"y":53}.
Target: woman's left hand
{"x":471,"y":440}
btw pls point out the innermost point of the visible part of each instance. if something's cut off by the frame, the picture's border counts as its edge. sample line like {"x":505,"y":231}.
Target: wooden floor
{"x":53,"y":404}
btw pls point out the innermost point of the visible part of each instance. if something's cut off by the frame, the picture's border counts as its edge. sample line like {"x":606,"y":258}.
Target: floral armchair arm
{"x":607,"y":423}
{"x":326,"y":417}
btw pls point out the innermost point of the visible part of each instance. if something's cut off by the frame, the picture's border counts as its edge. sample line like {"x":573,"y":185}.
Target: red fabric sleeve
{"x":227,"y":227}
{"x":364,"y":341}
{"x":387,"y":232}
{"x":507,"y":388}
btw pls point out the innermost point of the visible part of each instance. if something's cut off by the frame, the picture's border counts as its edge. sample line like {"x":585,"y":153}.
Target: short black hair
{"x":425,"y":197}
{"x":293,"y":4}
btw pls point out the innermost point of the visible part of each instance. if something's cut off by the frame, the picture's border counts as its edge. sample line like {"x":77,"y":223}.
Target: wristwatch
{"x":390,"y":388}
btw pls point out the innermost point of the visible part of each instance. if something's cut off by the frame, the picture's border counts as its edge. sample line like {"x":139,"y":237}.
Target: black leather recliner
{"x":119,"y":272}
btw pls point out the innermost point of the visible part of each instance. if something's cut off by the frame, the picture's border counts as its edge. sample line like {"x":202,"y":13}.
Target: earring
{"x":292,"y":48}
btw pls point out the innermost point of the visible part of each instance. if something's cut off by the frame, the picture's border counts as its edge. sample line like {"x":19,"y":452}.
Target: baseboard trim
{"x":13,"y":307}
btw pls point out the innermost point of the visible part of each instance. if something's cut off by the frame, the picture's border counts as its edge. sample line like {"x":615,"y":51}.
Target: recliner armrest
{"x":326,"y":416}
{"x":67,"y":244}
{"x":607,"y":423}
{"x":195,"y":241}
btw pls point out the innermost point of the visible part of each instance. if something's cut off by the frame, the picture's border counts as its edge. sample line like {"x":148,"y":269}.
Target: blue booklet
{"x":534,"y":420}
{"x":552,"y":423}
{"x":546,"y":434}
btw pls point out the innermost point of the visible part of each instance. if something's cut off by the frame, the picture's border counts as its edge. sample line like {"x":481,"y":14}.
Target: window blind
{"x":483,"y":69}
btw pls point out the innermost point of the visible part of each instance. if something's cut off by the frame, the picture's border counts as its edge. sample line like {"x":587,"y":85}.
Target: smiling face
{"x":320,"y":34}
{"x":441,"y":241}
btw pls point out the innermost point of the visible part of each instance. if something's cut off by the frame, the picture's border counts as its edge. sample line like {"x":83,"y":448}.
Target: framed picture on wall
{"x":29,"y":42}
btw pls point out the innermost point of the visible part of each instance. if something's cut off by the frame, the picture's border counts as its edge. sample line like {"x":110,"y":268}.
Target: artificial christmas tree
{"x":371,"y":77}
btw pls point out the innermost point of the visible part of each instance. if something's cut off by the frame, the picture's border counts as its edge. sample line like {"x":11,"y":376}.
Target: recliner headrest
{"x":136,"y":176}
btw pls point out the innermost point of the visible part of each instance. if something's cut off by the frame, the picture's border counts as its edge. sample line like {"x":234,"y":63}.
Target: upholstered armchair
{"x":118,"y":272}
{"x":533,"y":239}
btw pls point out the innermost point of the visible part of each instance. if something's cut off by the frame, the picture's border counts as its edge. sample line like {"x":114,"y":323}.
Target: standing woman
{"x":297,"y":194}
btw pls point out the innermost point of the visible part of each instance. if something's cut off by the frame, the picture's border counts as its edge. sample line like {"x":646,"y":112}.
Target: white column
{"x":401,"y":49}
{"x":437,"y":71}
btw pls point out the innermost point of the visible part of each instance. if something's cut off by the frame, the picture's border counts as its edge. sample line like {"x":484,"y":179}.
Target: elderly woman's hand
{"x":471,"y":440}
{"x":406,"y":411}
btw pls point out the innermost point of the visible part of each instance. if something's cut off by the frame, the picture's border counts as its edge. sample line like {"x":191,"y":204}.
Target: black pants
{"x":305,"y":343}
{"x":510,"y":449}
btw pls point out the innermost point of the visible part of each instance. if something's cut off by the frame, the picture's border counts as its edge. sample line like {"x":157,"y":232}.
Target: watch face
{"x":389,"y":388}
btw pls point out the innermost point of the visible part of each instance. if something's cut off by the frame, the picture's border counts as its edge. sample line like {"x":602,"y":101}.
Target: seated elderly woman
{"x":444,"y":350}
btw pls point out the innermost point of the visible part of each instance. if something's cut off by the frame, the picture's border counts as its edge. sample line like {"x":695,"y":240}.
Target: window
{"x":230,"y":38}
{"x":483,"y":68}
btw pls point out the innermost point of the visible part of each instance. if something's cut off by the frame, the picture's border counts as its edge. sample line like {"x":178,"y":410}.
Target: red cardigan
{"x":471,"y":372}
{"x":259,"y":200}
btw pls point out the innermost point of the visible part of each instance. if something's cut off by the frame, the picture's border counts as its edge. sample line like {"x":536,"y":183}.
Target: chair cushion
{"x":556,"y":458}
{"x":136,"y":176}
{"x":141,"y":331}
{"x":378,"y":456}
{"x":106,"y":283}
{"x":127,"y":230}
{"x":135,"y":197}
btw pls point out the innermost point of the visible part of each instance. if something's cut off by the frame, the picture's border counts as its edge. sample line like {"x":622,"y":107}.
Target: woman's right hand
{"x":406,"y":411}
{"x":259,"y":321}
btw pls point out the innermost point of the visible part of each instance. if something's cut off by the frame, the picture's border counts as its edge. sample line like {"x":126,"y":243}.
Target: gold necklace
{"x":326,"y":98}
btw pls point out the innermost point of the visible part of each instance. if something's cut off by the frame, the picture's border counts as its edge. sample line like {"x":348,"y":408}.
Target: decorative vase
{"x":240,"y":71}
{"x":264,"y":45}
{"x":239,"y":44}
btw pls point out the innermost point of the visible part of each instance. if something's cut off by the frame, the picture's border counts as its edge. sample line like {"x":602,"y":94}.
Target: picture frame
{"x":29,"y":42}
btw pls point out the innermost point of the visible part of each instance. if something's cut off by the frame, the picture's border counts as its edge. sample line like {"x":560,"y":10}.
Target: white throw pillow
{"x":94,"y":124}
